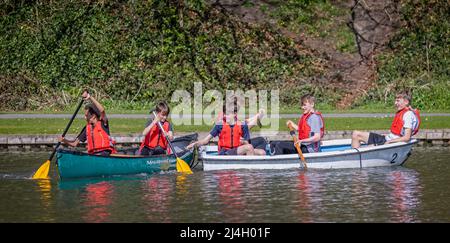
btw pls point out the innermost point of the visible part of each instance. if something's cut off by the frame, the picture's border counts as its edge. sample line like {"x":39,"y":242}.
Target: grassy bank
{"x":135,"y":126}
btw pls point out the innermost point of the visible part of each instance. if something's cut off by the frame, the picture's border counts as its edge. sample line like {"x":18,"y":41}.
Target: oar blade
{"x":183,"y":167}
{"x":42,"y":172}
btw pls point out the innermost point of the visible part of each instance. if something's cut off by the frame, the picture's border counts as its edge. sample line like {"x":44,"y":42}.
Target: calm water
{"x":416,"y":192}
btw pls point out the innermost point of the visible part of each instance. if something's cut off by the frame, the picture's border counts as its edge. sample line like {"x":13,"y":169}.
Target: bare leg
{"x":253,"y":121}
{"x":358,"y":137}
{"x":260,"y":152}
{"x":246,"y":149}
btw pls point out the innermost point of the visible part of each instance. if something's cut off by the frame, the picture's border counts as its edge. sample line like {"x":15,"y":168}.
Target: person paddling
{"x":405,"y":124}
{"x":310,"y":127}
{"x":96,"y":132}
{"x":155,"y":142}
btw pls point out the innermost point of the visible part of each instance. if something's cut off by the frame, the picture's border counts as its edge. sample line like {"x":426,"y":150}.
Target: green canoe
{"x":74,"y":164}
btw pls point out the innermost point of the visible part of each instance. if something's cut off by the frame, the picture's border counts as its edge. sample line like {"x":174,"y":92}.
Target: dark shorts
{"x":376,"y":139}
{"x":258,"y":143}
{"x":232,"y":151}
{"x":152,"y":151}
{"x":286,"y":147}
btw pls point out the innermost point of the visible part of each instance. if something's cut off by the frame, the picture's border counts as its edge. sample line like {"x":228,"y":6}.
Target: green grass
{"x":132,"y":108}
{"x":135,"y":126}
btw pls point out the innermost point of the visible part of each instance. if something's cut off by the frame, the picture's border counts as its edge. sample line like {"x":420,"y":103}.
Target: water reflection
{"x":97,"y":200}
{"x":44,"y":188}
{"x":405,"y":194}
{"x":230,"y":195}
{"x":156,"y":195}
{"x":304,"y":197}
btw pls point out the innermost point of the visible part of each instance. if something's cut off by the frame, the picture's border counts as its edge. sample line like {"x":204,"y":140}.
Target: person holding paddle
{"x":155,"y":142}
{"x":230,"y":131}
{"x":310,"y":127}
{"x":96,"y":132}
{"x":405,"y":124}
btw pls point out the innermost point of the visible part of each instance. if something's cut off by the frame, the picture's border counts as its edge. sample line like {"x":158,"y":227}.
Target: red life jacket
{"x":397,"y":123}
{"x":155,"y":137}
{"x":98,"y":139}
{"x":304,"y":130}
{"x":230,"y":137}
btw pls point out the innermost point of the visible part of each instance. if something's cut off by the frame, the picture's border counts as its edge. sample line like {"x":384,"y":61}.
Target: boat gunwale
{"x":80,"y":153}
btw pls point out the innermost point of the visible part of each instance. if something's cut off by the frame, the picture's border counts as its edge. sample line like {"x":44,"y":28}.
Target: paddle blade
{"x":42,"y":172}
{"x":182,"y":166}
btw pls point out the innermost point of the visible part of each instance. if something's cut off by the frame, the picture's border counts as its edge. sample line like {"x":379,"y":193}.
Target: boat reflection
{"x":156,"y":196}
{"x":230,"y":189}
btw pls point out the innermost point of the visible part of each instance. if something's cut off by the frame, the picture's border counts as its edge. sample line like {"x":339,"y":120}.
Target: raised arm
{"x":100,"y":108}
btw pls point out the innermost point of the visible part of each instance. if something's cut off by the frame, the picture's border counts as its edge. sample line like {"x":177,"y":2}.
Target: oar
{"x":297,"y":145}
{"x":182,"y":166}
{"x":42,"y":172}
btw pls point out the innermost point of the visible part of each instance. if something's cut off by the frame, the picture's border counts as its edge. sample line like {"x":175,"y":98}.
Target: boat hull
{"x":337,"y":154}
{"x":78,"y":164}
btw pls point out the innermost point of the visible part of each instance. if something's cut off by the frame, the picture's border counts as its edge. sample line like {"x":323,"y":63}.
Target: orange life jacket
{"x":397,"y":123}
{"x":304,"y":130}
{"x":230,"y":137}
{"x":155,"y":137}
{"x":98,"y":139}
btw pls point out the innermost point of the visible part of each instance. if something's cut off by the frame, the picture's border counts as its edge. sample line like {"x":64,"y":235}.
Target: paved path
{"x":140,"y":116}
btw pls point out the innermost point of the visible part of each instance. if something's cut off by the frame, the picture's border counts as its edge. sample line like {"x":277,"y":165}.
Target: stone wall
{"x":431,"y":137}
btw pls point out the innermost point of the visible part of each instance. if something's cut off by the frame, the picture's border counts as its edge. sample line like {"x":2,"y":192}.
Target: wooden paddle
{"x":182,"y":166}
{"x":297,"y":145}
{"x":42,"y":172}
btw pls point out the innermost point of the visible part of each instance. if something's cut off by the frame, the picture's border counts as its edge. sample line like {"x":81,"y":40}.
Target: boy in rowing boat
{"x":155,"y":142}
{"x":96,"y":132}
{"x":310,"y":127}
{"x":230,"y":131}
{"x":405,"y":124}
{"x":258,"y":143}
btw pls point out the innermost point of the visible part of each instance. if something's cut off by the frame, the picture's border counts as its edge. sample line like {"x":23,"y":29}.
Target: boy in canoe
{"x":96,"y":132}
{"x":405,"y":124}
{"x":310,"y":127}
{"x":155,"y":142}
{"x":230,"y":131}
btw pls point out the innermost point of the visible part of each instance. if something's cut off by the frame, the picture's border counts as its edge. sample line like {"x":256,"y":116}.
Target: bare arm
{"x":149,"y":127}
{"x":292,"y":124}
{"x":99,"y":106}
{"x":404,"y":138}
{"x":72,"y":143}
{"x":200,"y":142}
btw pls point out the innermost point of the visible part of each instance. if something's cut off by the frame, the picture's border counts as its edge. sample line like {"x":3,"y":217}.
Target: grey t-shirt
{"x":316,"y":124}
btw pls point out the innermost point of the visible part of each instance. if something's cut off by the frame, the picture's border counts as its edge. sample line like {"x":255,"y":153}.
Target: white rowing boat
{"x":335,"y":154}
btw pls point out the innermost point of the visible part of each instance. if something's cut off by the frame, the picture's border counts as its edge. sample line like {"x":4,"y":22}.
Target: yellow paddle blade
{"x":42,"y":172}
{"x":182,"y":166}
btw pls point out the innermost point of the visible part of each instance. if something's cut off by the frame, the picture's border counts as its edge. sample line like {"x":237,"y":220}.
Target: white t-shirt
{"x":409,"y":121}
